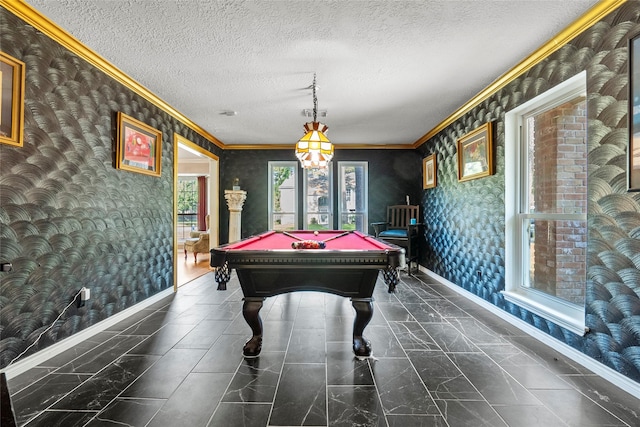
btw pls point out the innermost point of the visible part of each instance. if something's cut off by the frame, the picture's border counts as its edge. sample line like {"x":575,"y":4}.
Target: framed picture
{"x":139,"y":146}
{"x":429,"y":171}
{"x":475,"y":154}
{"x":634,"y":114}
{"x":12,"y":105}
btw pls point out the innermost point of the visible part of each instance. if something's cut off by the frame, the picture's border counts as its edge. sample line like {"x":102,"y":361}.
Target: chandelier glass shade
{"x":314,"y":150}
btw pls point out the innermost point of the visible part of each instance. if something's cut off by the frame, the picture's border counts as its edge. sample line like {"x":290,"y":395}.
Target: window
{"x":546,"y":204}
{"x":283,"y":191}
{"x":318,"y":206}
{"x":352,"y":186}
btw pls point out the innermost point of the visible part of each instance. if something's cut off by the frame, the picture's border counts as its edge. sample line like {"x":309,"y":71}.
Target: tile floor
{"x":439,"y":360}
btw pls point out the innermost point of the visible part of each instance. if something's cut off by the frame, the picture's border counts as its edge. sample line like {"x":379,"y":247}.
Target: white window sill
{"x":564,"y":314}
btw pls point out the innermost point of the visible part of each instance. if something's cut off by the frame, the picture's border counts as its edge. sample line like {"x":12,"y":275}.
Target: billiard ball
{"x":315,"y":233}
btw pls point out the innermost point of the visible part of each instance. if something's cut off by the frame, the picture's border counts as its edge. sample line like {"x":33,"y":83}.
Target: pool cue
{"x":336,"y":237}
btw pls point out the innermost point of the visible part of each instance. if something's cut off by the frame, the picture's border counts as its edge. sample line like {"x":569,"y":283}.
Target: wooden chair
{"x":399,"y":230}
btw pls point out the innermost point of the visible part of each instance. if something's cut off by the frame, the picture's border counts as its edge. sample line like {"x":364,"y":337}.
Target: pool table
{"x":344,"y":263}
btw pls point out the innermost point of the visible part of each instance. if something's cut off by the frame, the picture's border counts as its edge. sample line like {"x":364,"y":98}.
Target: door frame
{"x":214,"y":193}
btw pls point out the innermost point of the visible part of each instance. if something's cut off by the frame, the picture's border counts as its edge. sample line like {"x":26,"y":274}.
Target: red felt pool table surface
{"x":334,"y":240}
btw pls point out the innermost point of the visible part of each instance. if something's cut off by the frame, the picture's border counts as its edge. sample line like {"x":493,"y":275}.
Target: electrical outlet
{"x":479,"y":273}
{"x":7,"y":267}
{"x":82,"y":296}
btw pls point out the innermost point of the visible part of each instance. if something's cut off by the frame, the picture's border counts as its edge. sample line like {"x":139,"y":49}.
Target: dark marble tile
{"x":400,"y":388}
{"x":193,"y":402}
{"x":423,"y":312}
{"x":355,"y":406}
{"x":226,"y":311}
{"x":447,"y":309}
{"x":338,"y":306}
{"x":78,"y":350}
{"x":416,"y":421}
{"x":339,"y":328}
{"x":528,"y":416}
{"x":256,"y":379}
{"x":131,"y":320}
{"x":394,"y":312}
{"x":127,"y":412}
{"x":204,"y":334}
{"x":449,"y":338}
{"x":224,"y":355}
{"x":412,"y":337}
{"x":576,"y":409}
{"x":99,"y":357}
{"x":619,"y":402}
{"x":552,"y":359}
{"x":61,"y":419}
{"x":43,"y":393}
{"x":536,"y":377}
{"x":301,"y":397}
{"x":96,"y":392}
{"x":306,"y":346}
{"x":493,"y":382}
{"x":383,"y":342}
{"x":161,"y":380}
{"x":343,"y":368}
{"x":477,"y":332}
{"x":309,"y":318}
{"x":163,"y":340}
{"x":470,"y":413}
{"x":442,"y":377}
{"x":149,"y":325}
{"x":241,"y":414}
{"x":194,"y":315}
{"x":276,"y":335}
{"x":25,"y":379}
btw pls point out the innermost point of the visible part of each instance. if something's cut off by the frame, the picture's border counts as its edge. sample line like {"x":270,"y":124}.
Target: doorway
{"x":191,"y":162}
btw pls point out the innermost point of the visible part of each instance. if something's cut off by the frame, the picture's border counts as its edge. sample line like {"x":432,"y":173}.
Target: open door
{"x":191,"y":161}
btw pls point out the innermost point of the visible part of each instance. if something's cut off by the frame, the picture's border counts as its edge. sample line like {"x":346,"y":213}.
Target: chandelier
{"x":314,"y":150}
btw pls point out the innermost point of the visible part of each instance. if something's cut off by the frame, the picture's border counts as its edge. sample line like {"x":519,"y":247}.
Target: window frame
{"x":271,"y":166}
{"x":365,"y":191}
{"x":561,"y":312}
{"x":330,"y":197}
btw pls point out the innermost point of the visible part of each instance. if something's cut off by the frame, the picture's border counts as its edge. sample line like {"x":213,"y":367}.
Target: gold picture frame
{"x":475,"y":154}
{"x":429,"y":170}
{"x":139,"y":146}
{"x":12,"y":104}
{"x":634,"y":114}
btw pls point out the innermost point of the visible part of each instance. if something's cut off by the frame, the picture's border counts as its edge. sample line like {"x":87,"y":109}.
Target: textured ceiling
{"x":388,"y":71}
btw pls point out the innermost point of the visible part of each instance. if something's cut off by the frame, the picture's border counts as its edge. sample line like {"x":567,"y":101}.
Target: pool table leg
{"x":391,"y":277}
{"x":222,"y":276}
{"x":251,"y":312}
{"x":364,"y":313}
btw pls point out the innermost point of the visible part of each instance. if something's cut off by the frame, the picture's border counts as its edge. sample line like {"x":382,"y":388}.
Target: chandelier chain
{"x":315,"y":99}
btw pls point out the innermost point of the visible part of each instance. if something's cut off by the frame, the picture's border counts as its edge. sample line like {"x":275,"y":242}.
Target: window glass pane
{"x":282,"y":196}
{"x":557,"y":258}
{"x":318,"y":199}
{"x":557,"y":159}
{"x":187,"y":205}
{"x":353,"y":177}
{"x":556,"y":191}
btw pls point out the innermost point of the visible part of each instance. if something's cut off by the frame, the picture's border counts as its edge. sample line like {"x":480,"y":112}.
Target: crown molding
{"x":40,"y":22}
{"x":589,"y":18}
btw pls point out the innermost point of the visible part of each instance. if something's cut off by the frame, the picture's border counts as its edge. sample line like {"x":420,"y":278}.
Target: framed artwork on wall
{"x":139,"y":146}
{"x":475,"y":154}
{"x":634,"y":114}
{"x":429,"y":171}
{"x":12,"y":104}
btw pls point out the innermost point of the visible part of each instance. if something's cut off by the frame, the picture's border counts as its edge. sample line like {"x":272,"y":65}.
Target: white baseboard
{"x":38,"y":358}
{"x":621,"y":381}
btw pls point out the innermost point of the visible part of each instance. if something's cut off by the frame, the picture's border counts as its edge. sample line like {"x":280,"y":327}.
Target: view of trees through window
{"x":187,"y":205}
